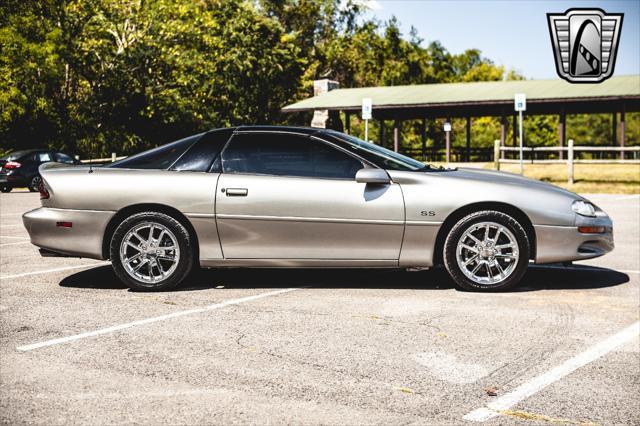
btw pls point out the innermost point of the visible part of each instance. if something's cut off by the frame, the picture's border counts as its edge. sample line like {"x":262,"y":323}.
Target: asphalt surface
{"x":345,"y":347}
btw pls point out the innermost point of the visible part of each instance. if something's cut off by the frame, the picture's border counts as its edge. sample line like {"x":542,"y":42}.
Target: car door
{"x":290,"y":196}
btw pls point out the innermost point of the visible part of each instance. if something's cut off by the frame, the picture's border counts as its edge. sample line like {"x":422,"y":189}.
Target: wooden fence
{"x":572,"y":151}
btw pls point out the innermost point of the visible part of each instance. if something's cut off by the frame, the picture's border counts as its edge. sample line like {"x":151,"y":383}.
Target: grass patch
{"x":588,"y":178}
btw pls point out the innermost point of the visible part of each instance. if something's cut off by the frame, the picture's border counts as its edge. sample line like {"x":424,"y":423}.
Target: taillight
{"x":12,"y":165}
{"x":44,"y":194}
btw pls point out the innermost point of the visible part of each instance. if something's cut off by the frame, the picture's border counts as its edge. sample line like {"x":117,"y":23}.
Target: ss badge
{"x":427,"y":213}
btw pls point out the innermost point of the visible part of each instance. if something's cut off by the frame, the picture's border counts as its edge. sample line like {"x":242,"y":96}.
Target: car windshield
{"x":15,"y":155}
{"x":378,"y":155}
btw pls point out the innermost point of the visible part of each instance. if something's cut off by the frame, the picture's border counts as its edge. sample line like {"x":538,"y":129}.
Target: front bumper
{"x":565,"y":243}
{"x":83,"y":239}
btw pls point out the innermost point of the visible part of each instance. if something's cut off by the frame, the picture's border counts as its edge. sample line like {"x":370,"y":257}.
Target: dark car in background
{"x":20,"y":168}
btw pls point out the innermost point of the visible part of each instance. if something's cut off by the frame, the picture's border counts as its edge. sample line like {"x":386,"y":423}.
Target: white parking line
{"x":538,"y":383}
{"x":154,"y":319}
{"x":13,"y":244}
{"x":10,"y":226}
{"x":46,"y":271}
{"x":12,"y":237}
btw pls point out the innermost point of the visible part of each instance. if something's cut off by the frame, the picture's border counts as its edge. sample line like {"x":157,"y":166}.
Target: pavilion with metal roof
{"x":616,"y":95}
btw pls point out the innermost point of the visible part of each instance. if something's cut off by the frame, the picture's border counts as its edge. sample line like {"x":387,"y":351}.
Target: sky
{"x":511,"y":33}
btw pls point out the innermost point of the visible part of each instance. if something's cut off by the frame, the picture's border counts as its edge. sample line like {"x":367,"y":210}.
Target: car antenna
{"x":91,"y":156}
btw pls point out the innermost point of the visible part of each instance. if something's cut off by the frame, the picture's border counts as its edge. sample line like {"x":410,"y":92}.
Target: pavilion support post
{"x":423,"y":132}
{"x":381,"y":133}
{"x":514,"y":129}
{"x":614,"y":128}
{"x":396,"y":135}
{"x":347,"y":124}
{"x":447,"y":145}
{"x":622,"y":131}
{"x":468,"y":156}
{"x":562,"y":132}
{"x":503,"y":133}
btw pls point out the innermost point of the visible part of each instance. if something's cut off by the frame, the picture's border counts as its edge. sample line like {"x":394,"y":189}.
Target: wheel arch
{"x":463,"y":211}
{"x":148,"y":207}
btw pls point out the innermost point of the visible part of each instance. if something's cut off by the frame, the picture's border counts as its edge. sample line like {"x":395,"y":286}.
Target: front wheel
{"x":151,"y":251}
{"x":5,"y":188}
{"x":487,"y":250}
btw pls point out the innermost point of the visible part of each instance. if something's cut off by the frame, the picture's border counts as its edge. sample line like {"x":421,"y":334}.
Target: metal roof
{"x":475,"y":93}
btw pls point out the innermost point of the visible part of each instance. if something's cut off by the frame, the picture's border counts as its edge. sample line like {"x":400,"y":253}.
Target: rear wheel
{"x":487,"y":250}
{"x":5,"y":188}
{"x":35,"y":183}
{"x":151,"y":251}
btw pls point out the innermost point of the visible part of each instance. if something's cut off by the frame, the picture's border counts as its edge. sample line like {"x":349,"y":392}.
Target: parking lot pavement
{"x":330,"y":347}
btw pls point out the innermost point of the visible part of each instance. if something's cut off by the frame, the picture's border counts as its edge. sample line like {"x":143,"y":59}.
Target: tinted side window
{"x":63,"y":158}
{"x":286,"y":155}
{"x":201,"y":155}
{"x":157,"y":158}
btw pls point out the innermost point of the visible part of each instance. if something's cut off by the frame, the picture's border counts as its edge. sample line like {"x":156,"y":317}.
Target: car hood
{"x":508,"y":179}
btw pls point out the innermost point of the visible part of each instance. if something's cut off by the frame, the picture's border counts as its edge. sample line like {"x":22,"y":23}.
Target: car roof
{"x":293,"y":129}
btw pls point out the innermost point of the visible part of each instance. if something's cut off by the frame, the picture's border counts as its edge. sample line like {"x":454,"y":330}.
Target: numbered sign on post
{"x":367,"y":108}
{"x":520,"y":102}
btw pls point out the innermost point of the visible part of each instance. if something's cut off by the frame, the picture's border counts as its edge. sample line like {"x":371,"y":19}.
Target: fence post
{"x":496,"y":154}
{"x":113,"y":157}
{"x":570,"y":161}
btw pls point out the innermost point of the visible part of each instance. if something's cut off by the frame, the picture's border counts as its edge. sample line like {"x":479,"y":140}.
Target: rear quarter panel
{"x":104,"y":189}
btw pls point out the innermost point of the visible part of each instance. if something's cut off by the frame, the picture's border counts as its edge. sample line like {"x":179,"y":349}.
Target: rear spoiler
{"x":53,"y":165}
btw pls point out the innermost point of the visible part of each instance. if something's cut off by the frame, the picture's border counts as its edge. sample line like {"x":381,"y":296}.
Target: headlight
{"x":584,"y":208}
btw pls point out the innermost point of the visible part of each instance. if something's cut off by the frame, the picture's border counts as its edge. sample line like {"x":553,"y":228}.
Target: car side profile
{"x":290,"y":197}
{"x":20,"y":168}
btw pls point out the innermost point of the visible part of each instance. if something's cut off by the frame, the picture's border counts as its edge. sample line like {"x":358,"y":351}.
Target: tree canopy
{"x":101,"y":76}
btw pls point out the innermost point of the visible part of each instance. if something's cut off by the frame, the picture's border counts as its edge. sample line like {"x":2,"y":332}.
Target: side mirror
{"x":376,"y":176}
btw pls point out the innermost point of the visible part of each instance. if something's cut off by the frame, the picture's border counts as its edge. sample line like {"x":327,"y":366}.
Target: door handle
{"x":237,"y":192}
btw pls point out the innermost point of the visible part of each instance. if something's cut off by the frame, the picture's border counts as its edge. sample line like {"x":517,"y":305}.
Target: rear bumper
{"x":13,"y":181}
{"x":83,"y":239}
{"x":565,"y":243}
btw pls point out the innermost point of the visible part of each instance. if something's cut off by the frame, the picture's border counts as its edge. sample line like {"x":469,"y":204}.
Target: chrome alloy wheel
{"x":487,"y":253}
{"x":149,"y":252}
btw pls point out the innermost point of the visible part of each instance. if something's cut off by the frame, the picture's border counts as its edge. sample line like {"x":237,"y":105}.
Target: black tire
{"x":5,"y":188}
{"x":185,"y":244}
{"x":466,"y":223}
{"x":34,"y":185}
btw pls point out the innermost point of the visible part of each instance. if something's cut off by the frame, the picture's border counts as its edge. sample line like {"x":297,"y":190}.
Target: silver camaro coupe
{"x":291,"y":197}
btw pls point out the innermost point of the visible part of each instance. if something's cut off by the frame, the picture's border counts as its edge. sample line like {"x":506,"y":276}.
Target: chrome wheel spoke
{"x":133,"y":258}
{"x":475,"y":240}
{"x":471,"y":259}
{"x":504,"y":246}
{"x":472,"y":249}
{"x":133,"y":246}
{"x":477,"y":267}
{"x":499,"y":268}
{"x":140,"y":265}
{"x":160,"y":268}
{"x":151,"y":229}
